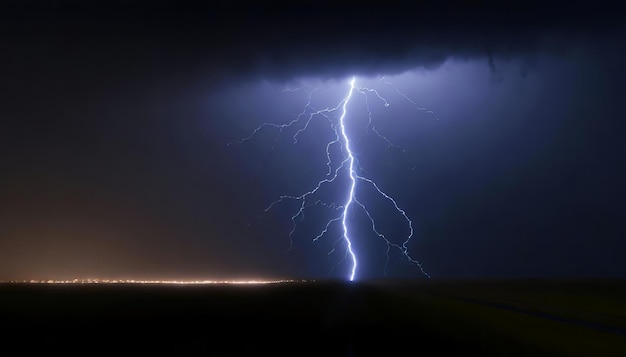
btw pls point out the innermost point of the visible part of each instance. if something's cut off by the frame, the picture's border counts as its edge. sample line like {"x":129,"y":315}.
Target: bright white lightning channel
{"x":342,"y":140}
{"x":352,"y":179}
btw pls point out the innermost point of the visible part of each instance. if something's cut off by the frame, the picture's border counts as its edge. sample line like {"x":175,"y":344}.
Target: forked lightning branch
{"x":348,"y":165}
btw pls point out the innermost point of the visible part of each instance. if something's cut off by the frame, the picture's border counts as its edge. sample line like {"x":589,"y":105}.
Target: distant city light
{"x":156,"y":282}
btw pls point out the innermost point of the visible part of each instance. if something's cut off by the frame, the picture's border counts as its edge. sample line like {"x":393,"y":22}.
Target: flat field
{"x":392,"y":318}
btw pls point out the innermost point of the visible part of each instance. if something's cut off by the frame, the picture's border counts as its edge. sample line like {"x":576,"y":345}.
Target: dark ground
{"x":430,"y":318}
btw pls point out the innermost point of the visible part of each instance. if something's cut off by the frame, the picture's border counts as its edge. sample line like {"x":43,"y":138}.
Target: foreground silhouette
{"x":430,"y":318}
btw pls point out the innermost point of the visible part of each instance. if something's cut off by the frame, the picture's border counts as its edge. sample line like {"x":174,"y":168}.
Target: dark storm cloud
{"x":281,"y":39}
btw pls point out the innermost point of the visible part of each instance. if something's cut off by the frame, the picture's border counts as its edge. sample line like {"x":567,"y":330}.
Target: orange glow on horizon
{"x":157,"y":282}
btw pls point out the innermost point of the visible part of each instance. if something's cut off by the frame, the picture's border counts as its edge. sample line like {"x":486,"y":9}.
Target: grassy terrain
{"x":556,"y":318}
{"x":429,"y":318}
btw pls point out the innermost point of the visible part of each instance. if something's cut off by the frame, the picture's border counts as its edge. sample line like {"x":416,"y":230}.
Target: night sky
{"x":116,"y":118}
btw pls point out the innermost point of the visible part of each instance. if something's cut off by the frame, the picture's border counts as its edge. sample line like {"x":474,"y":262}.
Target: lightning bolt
{"x":353,"y":177}
{"x":354,"y":172}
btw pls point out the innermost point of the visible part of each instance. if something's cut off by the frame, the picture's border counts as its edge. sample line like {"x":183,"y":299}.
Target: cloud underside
{"x":285,"y":39}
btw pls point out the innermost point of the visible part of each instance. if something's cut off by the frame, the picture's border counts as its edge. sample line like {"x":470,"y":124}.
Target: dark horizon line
{"x":105,"y":281}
